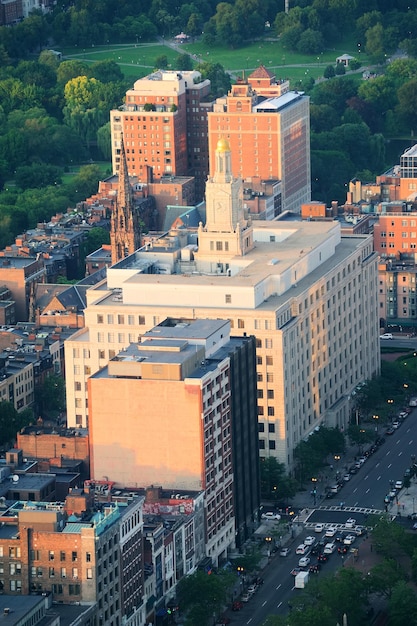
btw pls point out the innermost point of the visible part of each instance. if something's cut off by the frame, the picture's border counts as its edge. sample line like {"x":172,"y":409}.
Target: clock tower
{"x":227,"y":232}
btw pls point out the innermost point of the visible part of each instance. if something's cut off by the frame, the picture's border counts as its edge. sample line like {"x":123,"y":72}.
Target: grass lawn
{"x":104,"y":167}
{"x":137,"y":60}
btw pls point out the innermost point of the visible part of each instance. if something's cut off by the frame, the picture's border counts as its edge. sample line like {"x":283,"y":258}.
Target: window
{"x":88,"y":557}
{"x":268,"y":343}
{"x":51,"y":555}
{"x":270,"y":394}
{"x":219,"y":245}
{"x":63,"y":572}
{"x":228,"y":298}
{"x":74,"y":556}
{"x":269,"y":378}
{"x":271,"y":411}
{"x":241,"y":323}
{"x":75,"y":572}
{"x":51,"y":572}
{"x":141,"y":320}
{"x":271,"y":445}
{"x":100,"y":319}
{"x":89,"y":573}
{"x":120,"y":319}
{"x":269,"y":360}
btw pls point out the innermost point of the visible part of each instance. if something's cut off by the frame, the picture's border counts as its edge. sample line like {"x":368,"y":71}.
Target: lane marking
{"x":263,"y":604}
{"x":379,"y":478}
{"x":367,"y":491}
{"x":355,"y":490}
{"x":400,"y":453}
{"x":366,"y":477}
{"x":389,"y":465}
{"x":377,"y":465}
{"x":280,"y":604}
{"x":278,"y":586}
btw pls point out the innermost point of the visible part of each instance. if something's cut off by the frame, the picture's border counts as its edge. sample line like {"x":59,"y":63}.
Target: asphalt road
{"x":361,"y":495}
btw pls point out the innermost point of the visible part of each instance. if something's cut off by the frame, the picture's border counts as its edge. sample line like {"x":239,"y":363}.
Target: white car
{"x":330,"y":532}
{"x":350,"y":523}
{"x":318,"y":528}
{"x":271,"y":516}
{"x":304,"y":561}
{"x":386,"y":336}
{"x":309,"y":541}
{"x":329,"y":548}
{"x":349,"y":540}
{"x":302,"y":549}
{"x":284,"y":551}
{"x":399,"y":484}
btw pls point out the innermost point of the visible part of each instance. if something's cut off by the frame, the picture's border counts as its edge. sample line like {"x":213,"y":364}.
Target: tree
{"x":201,"y":595}
{"x":50,"y":396}
{"x":107,"y":71}
{"x":329,"y":72}
{"x":385,"y":576}
{"x":310,"y":42}
{"x":161,"y":62}
{"x":359,"y":436}
{"x":183,"y":62}
{"x":402,"y":608}
{"x":275,"y":483}
{"x":11,"y":421}
{"x":38,"y":175}
{"x":407,"y":102}
{"x":218,"y":77}
{"x":340,"y":69}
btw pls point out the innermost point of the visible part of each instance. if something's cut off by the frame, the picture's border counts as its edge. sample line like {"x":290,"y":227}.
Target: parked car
{"x":252,"y":588}
{"x":390,"y":431}
{"x":360,"y":530}
{"x":395,"y":424}
{"x":270,"y":515}
{"x":246,"y":597}
{"x":237,"y":605}
{"x":330,"y":532}
{"x":318,"y":528}
{"x":350,"y":523}
{"x":284,"y":551}
{"x":346,"y":477}
{"x":399,"y":484}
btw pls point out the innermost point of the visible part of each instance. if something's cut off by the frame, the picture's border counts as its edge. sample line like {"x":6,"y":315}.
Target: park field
{"x":137,"y":60}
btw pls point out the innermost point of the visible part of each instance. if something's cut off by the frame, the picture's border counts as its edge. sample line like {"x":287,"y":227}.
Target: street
{"x":362,"y":495}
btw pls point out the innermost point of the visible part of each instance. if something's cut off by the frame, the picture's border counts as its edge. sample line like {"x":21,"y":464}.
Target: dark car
{"x":237,"y":605}
{"x":322,"y":558}
{"x":390,"y":431}
{"x":224,"y":620}
{"x":379,"y":441}
{"x":353,"y":470}
{"x":315,"y":550}
{"x":314,"y":568}
{"x":342,"y":549}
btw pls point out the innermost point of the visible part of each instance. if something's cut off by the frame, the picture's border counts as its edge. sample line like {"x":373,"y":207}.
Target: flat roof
{"x":19,"y":607}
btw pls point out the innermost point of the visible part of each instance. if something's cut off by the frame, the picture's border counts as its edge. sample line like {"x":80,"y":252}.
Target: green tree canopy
{"x":201,"y":595}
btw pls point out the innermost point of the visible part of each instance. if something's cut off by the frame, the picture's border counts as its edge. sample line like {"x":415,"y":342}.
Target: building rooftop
{"x":279,"y":103}
{"x":14,"y":609}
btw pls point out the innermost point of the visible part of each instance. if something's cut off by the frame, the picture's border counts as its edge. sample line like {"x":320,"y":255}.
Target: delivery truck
{"x":301,"y":580}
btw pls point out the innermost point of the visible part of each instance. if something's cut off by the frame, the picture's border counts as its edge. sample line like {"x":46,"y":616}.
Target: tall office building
{"x":178,"y":409}
{"x":164,"y":126}
{"x":306,"y":292}
{"x":268,"y":129}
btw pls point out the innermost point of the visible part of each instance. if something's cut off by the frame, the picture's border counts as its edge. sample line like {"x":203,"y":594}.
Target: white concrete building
{"x":308,"y":294}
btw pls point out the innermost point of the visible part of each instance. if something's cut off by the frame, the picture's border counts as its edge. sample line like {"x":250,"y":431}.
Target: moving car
{"x":309,"y":541}
{"x":302,"y":549}
{"x":329,"y":548}
{"x":330,"y":532}
{"x":304,"y":561}
{"x":342,"y":549}
{"x":349,"y":540}
{"x":386,"y":336}
{"x":284,"y":551}
{"x":314,"y":568}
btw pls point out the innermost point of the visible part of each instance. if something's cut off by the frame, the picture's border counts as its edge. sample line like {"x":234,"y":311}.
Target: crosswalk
{"x":352,"y":509}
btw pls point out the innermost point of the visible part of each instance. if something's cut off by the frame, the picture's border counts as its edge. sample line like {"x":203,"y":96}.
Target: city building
{"x":21,"y":275}
{"x":307,"y":293}
{"x":268,"y":129}
{"x":195,"y":369}
{"x":79,"y":552}
{"x":164,"y":126}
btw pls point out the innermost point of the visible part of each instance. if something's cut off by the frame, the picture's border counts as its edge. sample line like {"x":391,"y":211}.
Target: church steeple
{"x":125,"y":227}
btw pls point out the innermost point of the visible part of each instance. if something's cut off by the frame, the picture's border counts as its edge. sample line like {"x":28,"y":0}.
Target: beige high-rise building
{"x":307,"y":293}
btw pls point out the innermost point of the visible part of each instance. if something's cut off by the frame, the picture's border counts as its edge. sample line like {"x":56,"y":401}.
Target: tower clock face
{"x":220,"y":208}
